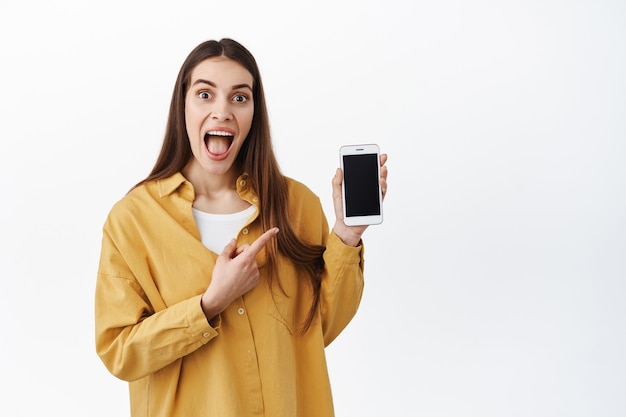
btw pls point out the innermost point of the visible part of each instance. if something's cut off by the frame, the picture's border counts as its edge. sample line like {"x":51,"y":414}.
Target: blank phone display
{"x":360,"y":176}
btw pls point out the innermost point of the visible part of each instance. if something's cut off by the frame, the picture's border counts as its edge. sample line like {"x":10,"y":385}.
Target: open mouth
{"x":218,"y":142}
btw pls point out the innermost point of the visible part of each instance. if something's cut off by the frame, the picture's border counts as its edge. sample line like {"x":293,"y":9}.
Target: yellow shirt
{"x":152,"y":332}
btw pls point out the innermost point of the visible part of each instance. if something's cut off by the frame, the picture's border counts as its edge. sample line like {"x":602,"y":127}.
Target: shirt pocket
{"x":290,"y":305}
{"x":292,"y":311}
{"x":281,"y":309}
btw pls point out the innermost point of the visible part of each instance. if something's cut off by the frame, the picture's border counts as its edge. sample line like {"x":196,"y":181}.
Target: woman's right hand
{"x":236,"y":272}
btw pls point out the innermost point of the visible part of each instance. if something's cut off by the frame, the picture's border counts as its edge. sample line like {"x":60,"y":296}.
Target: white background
{"x":496,"y":285}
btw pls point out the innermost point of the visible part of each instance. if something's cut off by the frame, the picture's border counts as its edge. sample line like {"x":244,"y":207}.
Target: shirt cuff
{"x":198,"y":324}
{"x":339,"y":251}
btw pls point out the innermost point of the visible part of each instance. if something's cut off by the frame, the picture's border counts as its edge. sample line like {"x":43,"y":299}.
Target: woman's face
{"x":218,"y":112}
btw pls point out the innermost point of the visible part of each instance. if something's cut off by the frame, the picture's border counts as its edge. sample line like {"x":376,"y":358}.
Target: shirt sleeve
{"x":133,"y":338}
{"x":342,"y":286}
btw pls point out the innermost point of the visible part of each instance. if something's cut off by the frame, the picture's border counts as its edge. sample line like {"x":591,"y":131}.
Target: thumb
{"x":229,"y":249}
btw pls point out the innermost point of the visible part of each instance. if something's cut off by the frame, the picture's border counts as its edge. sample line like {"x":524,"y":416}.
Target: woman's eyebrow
{"x":212,"y":84}
{"x":201,"y":81}
{"x":244,"y":85}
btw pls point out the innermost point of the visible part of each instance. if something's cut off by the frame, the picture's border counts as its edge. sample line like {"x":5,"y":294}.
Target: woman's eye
{"x":204,"y":95}
{"x":240,"y":98}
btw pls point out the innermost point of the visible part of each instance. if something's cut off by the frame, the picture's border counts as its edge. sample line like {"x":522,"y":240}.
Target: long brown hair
{"x":256,"y":158}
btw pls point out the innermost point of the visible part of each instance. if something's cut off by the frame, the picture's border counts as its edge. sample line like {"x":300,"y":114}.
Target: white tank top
{"x":216,"y":230}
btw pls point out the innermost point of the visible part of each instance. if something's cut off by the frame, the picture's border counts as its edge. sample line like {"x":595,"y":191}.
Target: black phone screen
{"x":360,"y":176}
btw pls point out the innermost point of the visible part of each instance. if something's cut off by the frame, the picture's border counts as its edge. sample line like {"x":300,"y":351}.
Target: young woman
{"x":219,"y":282}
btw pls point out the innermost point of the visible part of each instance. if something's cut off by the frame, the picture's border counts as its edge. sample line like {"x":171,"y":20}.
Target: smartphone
{"x":362,"y":196}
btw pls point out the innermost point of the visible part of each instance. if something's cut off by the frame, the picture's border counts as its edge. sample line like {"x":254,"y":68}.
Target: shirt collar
{"x":168,"y":185}
{"x":177,"y":181}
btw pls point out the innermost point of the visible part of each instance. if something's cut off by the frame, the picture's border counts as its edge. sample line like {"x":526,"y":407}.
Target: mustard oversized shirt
{"x":151,"y":331}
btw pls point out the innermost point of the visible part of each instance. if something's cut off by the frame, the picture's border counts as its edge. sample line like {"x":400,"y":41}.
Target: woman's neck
{"x":215,"y":193}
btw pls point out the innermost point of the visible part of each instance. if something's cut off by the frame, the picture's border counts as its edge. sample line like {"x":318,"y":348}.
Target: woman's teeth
{"x":218,"y":133}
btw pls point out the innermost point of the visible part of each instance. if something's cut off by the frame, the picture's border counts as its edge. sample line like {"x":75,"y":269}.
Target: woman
{"x":219,"y":282}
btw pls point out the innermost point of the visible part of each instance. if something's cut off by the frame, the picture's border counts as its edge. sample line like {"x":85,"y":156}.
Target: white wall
{"x":495,"y":286}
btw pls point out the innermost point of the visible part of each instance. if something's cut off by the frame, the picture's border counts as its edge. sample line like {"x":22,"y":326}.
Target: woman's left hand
{"x":351,"y":235}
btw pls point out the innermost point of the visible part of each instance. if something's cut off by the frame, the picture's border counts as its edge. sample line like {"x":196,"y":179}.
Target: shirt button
{"x":256,"y":200}
{"x":206,"y":334}
{"x":242,"y":183}
{"x":245,"y":231}
{"x":240,"y":310}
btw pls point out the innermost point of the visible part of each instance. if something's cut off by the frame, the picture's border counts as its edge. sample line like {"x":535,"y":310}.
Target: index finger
{"x":257,"y":245}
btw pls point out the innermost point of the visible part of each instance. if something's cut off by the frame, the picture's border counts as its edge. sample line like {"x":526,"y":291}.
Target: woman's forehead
{"x":221,"y":70}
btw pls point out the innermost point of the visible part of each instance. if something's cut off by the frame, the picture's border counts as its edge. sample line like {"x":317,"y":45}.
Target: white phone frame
{"x":361,"y":149}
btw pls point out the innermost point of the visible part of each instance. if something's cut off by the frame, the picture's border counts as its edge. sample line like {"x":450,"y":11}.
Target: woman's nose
{"x":221,"y":110}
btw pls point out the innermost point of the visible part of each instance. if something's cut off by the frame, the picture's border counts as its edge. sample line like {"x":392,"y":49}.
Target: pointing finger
{"x":261,"y":241}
